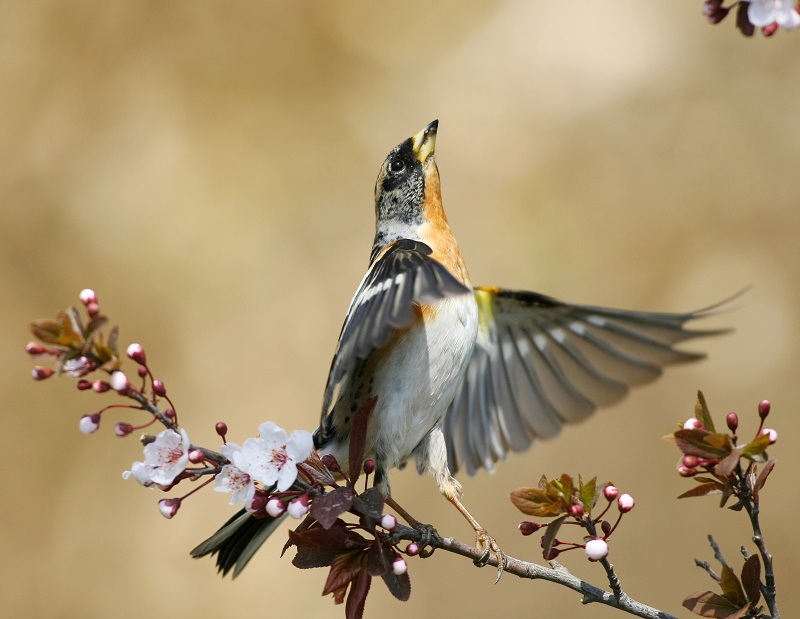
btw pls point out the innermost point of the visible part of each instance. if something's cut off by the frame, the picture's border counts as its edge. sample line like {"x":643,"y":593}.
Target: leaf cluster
{"x":739,"y":597}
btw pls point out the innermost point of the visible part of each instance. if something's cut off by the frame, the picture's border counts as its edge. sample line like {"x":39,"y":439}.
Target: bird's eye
{"x":397,"y":166}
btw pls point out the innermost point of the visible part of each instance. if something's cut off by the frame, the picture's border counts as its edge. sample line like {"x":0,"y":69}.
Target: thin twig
{"x":707,"y":567}
{"x":557,"y":574}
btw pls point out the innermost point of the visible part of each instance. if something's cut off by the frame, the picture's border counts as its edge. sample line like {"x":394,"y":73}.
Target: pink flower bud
{"x":596,"y":549}
{"x":763,"y":408}
{"x":554,"y":552}
{"x":32,"y":348}
{"x":330,"y":462}
{"x":93,"y":309}
{"x":141,"y":371}
{"x":89,"y":423}
{"x":770,"y":29}
{"x":88,"y":296}
{"x":169,"y":413}
{"x":687,"y":471}
{"x":576,"y":511}
{"x":169,"y":507}
{"x":732,"y":419}
{"x":136,"y":352}
{"x":399,"y":566}
{"x":773,"y":435}
{"x":275,"y":507}
{"x":412,"y":549}
{"x":298,"y":507}
{"x":388,"y":522}
{"x":693,"y":423}
{"x":610,"y":492}
{"x":625,"y":503}
{"x":221,"y":428}
{"x":40,"y":373}
{"x":100,"y":386}
{"x":123,"y":429}
{"x":83,"y":385}
{"x":606,"y":527}
{"x":196,"y":456}
{"x":118,"y":381}
{"x":369,"y":467}
{"x":527,"y":528}
{"x":159,"y":389}
{"x":690,"y":461}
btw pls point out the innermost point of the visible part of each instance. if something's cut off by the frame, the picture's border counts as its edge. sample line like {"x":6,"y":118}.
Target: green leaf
{"x":751,"y":579}
{"x":550,"y":535}
{"x":731,"y":587}
{"x":703,"y":444}
{"x":710,"y":604}
{"x":702,"y":413}
{"x":756,"y":447}
{"x":713,"y":487}
{"x":587,"y":493}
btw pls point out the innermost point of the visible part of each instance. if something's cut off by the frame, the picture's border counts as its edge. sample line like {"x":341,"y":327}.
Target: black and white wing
{"x":402,"y":276}
{"x":539,"y":363}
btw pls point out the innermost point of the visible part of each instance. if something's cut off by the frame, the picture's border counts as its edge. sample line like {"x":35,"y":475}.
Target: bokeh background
{"x":208,"y":169}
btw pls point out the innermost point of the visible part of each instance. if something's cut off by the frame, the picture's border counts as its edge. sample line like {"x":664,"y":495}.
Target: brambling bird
{"x":462,"y":375}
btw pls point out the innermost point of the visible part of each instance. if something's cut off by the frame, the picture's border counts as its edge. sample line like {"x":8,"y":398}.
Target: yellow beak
{"x":424,"y":143}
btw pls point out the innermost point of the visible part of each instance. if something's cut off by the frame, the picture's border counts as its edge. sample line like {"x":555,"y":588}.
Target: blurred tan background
{"x":208,"y":169}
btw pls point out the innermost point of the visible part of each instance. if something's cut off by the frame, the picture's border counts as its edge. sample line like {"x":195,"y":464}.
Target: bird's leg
{"x":426,"y":546}
{"x":484,"y":541}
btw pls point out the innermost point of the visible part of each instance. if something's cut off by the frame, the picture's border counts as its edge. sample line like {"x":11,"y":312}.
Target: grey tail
{"x":236,"y":541}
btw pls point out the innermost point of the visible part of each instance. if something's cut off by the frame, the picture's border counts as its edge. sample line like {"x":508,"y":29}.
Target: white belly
{"x":419,"y":378}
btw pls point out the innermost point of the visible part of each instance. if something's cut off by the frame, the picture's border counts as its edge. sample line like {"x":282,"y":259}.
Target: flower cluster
{"x":570,"y":503}
{"x":272,"y":474}
{"x":769,"y":15}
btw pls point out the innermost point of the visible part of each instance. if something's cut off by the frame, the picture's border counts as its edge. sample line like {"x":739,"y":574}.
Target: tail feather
{"x":236,"y":541}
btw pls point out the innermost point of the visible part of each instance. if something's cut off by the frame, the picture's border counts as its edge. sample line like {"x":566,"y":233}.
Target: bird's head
{"x":407,"y":186}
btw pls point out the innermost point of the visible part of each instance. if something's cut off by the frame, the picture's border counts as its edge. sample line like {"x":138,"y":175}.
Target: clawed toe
{"x":490,"y":547}
{"x":429,"y":534}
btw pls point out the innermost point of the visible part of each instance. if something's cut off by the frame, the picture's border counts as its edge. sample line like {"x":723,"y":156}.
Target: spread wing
{"x":403,"y":276}
{"x":540,"y":363}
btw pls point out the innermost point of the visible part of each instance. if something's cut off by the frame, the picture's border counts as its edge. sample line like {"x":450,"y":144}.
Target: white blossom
{"x":118,"y":381}
{"x":762,"y":13}
{"x":167,"y":456}
{"x":233,"y":480}
{"x":77,"y":368}
{"x":89,"y":423}
{"x":272,"y":457}
{"x":140,"y":472}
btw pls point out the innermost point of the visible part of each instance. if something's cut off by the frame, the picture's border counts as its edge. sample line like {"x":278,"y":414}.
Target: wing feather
{"x":540,"y":363}
{"x":403,"y":276}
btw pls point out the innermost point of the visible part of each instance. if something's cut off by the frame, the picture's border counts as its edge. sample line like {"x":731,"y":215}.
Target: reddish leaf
{"x":46,"y":330}
{"x":731,"y":587}
{"x":344,"y":569}
{"x":75,"y":322}
{"x":702,"y":413}
{"x":727,"y":490}
{"x":705,"y":489}
{"x":550,"y":535}
{"x":538,"y":502}
{"x":703,"y":444}
{"x":725,"y":466}
{"x":358,"y":438}
{"x":762,"y":478}
{"x":358,"y":596}
{"x":377,"y":563}
{"x":399,"y":586}
{"x":756,"y":447}
{"x":326,"y":508}
{"x":336,"y":539}
{"x":113,"y":341}
{"x":315,"y":470}
{"x":94,"y":326}
{"x":751,"y":579}
{"x":710,"y":604}
{"x":369,"y":503}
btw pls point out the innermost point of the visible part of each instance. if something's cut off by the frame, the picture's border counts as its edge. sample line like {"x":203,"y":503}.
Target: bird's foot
{"x":489,"y":546}
{"x":427,"y":544}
